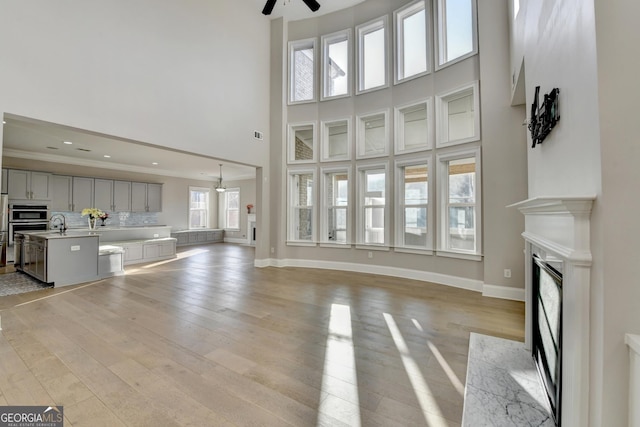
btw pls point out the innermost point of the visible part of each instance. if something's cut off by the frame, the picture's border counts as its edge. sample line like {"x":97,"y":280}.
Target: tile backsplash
{"x":116,"y":219}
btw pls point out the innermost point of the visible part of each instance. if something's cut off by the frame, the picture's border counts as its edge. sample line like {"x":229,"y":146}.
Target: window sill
{"x":372,"y":247}
{"x":335,"y":245}
{"x":231,"y":230}
{"x":300,"y":243}
{"x":459,"y":255}
{"x":416,"y":251}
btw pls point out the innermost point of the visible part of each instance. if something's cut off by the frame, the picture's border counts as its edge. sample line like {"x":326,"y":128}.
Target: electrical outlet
{"x":75,"y":248}
{"x":369,"y":254}
{"x":156,"y":235}
{"x":507,"y":273}
{"x":273,"y":250}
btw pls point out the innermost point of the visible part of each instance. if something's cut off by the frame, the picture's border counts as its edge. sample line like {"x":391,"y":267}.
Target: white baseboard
{"x":503,"y":292}
{"x":234,"y":240}
{"x":425,"y":276}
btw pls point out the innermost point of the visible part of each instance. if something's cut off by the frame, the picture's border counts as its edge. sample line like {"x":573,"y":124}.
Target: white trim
{"x":459,"y":255}
{"x":442,"y":114}
{"x":362,"y":168}
{"x":633,"y":341}
{"x":371,"y":247}
{"x":424,"y":276}
{"x":361,"y":134}
{"x":400,"y":166}
{"x":360,"y":31}
{"x":291,"y":138}
{"x":235,"y":240}
{"x":503,"y":292}
{"x":324,"y":140}
{"x":399,"y":140}
{"x":324,"y":220}
{"x":325,"y":41}
{"x":292,"y":46}
{"x":291,"y":207}
{"x":398,"y":40}
{"x":438,"y":30}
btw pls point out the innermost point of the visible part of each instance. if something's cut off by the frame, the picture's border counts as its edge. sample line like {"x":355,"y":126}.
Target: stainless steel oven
{"x":24,"y":218}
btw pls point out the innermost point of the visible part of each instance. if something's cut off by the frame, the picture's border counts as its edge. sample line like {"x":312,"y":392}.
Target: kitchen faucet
{"x":62,"y":222}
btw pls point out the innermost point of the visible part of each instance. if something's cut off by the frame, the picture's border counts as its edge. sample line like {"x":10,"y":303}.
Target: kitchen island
{"x":82,"y":255}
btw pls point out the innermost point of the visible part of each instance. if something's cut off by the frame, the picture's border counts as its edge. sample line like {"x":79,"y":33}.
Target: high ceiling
{"x":38,"y":140}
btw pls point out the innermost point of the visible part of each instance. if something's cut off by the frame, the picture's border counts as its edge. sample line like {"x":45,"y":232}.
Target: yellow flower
{"x":92,"y":212}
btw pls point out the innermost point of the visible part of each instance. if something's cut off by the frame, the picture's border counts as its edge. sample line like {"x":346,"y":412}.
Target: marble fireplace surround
{"x":558,"y":230}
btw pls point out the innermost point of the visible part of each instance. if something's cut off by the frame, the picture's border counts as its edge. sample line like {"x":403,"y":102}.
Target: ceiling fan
{"x":268,"y":7}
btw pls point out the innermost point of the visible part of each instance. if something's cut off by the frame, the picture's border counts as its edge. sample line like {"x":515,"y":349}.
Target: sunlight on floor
{"x":443,"y":362}
{"x":429,"y":406}
{"x":339,"y":396}
{"x":180,"y":255}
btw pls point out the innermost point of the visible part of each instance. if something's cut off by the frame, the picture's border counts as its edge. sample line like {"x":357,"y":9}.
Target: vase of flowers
{"x":94,"y":214}
{"x":249,"y":207}
{"x":103,"y":218}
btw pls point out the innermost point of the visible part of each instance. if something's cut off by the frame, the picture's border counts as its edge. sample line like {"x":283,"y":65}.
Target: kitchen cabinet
{"x":28,"y":185}
{"x":121,"y":196}
{"x":5,"y":176}
{"x":61,"y":191}
{"x":83,"y":189}
{"x":159,"y":249}
{"x":133,"y":252}
{"x":146,"y":197}
{"x":103,"y":194}
{"x":192,"y":237}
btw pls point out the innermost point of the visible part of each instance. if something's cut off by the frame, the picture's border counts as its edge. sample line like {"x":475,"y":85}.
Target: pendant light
{"x":219,"y":187}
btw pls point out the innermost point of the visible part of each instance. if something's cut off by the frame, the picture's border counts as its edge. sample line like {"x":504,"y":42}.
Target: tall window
{"x":411,"y":41}
{"x":372,"y":216}
{"x":458,"y":116}
{"x":301,"y":71}
{"x":335,"y":202}
{"x":232,"y":209}
{"x":412,"y":217}
{"x":456,"y":30}
{"x":460,"y":200}
{"x":301,"y":191}
{"x":336,"y":64}
{"x":372,"y":55}
{"x":198,"y":207}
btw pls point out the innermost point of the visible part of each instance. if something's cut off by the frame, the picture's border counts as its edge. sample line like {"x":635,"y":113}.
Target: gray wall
{"x":503,"y":142}
{"x":247,"y":189}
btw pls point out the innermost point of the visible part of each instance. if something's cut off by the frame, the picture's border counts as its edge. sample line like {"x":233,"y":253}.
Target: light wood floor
{"x":208,"y":340}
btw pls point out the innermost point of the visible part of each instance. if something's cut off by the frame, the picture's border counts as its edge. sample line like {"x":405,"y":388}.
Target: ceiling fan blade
{"x":268,"y":7}
{"x":313,"y":4}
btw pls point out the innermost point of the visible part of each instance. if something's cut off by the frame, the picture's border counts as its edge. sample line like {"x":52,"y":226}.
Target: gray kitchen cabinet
{"x":5,"y":176}
{"x":82,"y":193}
{"x":138,"y":197}
{"x":133,"y":252}
{"x":192,"y":237}
{"x":28,"y":185}
{"x":160,"y":249}
{"x":121,"y":196}
{"x":146,"y":197}
{"x":103,"y":194}
{"x":61,"y":191}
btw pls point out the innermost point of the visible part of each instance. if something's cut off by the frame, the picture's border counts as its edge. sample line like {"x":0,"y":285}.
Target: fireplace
{"x":547,"y":329}
{"x":557,"y":231}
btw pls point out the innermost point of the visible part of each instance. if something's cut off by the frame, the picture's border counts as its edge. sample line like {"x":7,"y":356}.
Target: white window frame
{"x":325,"y":206}
{"x":400,"y":245}
{"x":361,"y":134}
{"x":291,"y":142}
{"x":225,"y":209}
{"x":442,"y":114}
{"x":292,"y":208}
{"x":399,"y":140}
{"x":441,"y":36}
{"x":326,"y":41}
{"x":362,"y":169}
{"x":398,"y":18}
{"x":443,"y":160}
{"x":207,"y":210}
{"x":293,"y":46}
{"x":324,"y":132}
{"x":361,"y":31}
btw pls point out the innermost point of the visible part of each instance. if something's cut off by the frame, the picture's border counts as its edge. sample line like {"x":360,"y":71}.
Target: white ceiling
{"x":38,"y":140}
{"x":293,"y":10}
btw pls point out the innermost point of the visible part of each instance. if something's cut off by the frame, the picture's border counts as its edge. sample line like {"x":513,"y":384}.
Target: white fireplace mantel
{"x":558,"y":229}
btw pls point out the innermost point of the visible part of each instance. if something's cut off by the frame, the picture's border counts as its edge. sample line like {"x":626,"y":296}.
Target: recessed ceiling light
{"x":67,"y":142}
{"x":4,"y":123}
{"x":107,"y":156}
{"x":155,"y":163}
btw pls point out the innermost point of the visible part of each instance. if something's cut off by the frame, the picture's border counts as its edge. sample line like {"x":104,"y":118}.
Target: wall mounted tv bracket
{"x":543,"y":117}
